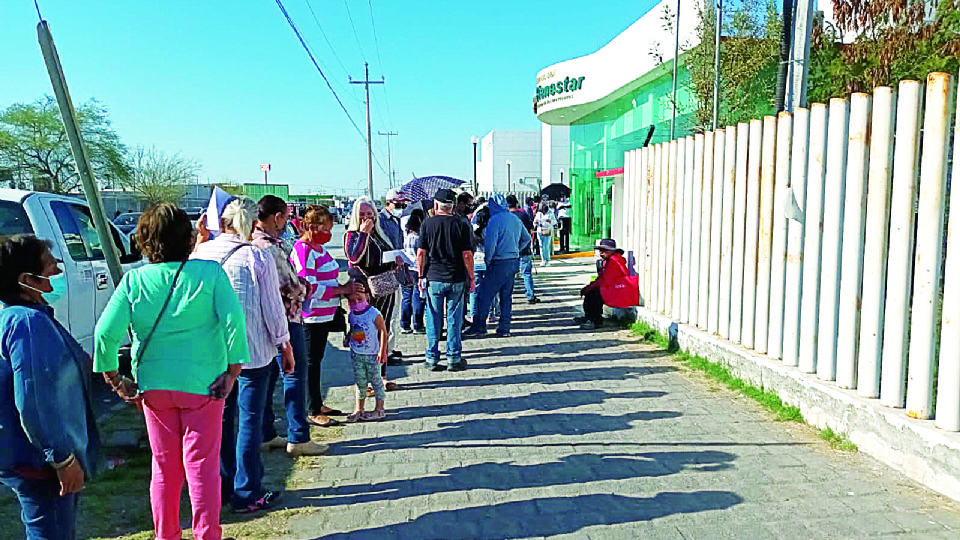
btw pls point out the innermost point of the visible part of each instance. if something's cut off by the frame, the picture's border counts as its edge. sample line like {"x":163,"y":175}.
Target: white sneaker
{"x":273,"y":444}
{"x":308,"y":448}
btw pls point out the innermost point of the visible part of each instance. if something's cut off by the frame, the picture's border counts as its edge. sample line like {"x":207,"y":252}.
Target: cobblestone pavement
{"x":561,"y":432}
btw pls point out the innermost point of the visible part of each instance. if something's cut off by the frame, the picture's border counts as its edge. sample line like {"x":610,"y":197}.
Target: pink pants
{"x":184,"y":431}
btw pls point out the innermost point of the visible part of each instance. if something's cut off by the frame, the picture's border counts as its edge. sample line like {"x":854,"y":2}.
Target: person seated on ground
{"x":613,"y":287}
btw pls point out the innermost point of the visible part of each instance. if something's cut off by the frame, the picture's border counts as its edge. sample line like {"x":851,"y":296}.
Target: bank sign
{"x":553,"y":92}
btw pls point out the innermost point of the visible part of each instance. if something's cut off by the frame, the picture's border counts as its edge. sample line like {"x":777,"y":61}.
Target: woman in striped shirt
{"x":315,"y":264}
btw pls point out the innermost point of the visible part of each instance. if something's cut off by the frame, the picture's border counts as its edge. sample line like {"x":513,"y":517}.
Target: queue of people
{"x":217,"y":321}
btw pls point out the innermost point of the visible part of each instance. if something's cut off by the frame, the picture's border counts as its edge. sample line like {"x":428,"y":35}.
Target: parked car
{"x":127,"y":222}
{"x":66,"y":222}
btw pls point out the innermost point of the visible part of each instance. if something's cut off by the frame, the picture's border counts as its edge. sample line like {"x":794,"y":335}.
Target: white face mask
{"x":397,"y":212}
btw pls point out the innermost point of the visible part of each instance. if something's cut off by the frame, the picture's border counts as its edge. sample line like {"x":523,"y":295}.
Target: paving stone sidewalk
{"x":558,"y":432}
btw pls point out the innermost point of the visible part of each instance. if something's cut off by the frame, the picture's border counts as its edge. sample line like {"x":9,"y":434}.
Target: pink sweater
{"x":318,"y":268}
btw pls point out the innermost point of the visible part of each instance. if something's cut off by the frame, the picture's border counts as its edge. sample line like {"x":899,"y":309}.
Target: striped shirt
{"x":319,"y":269}
{"x":253,"y":276}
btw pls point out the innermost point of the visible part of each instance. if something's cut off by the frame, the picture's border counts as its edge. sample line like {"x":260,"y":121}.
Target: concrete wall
{"x":521,"y":148}
{"x":555,"y":150}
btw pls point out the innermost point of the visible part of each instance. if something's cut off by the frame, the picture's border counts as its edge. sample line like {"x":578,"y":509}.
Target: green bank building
{"x":615,"y":100}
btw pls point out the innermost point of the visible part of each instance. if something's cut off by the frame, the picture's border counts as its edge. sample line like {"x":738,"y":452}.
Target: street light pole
{"x":476,"y":187}
{"x":389,"y":134}
{"x":509,"y":163}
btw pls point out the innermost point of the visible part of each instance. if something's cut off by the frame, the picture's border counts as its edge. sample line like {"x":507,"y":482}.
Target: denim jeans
{"x":412,"y":307}
{"x":438,"y":295}
{"x":526,"y":270}
{"x":294,"y":392}
{"x":240,"y":463}
{"x":472,"y":299}
{"x":546,"y":244}
{"x":497,"y":281}
{"x":44,"y":513}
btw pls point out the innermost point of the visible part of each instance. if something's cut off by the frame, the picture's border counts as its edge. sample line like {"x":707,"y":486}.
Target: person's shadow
{"x":545,"y":516}
{"x":573,"y":469}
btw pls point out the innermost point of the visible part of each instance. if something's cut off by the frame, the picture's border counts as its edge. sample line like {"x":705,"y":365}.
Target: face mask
{"x":397,"y":212}
{"x":58,"y":283}
{"x":359,"y":305}
{"x":321,"y":237}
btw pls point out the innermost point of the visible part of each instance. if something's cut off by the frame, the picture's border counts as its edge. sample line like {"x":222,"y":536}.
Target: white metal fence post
{"x":851,"y":265}
{"x":716,"y":224}
{"x":794,"y":207}
{"x":875,"y":242}
{"x":896,"y":314}
{"x":685,"y":258}
{"x":778,"y":248}
{"x":651,"y":239}
{"x":669,"y":275}
{"x":813,"y":227}
{"x":739,"y":226}
{"x":948,"y":384}
{"x":641,"y":216}
{"x":929,"y":245}
{"x":676,"y":227}
{"x":768,"y":176}
{"x":624,"y":235}
{"x":706,"y":232}
{"x":696,"y":217}
{"x":726,"y":230}
{"x":831,"y":239}
{"x":660,"y":229}
{"x":751,"y":234}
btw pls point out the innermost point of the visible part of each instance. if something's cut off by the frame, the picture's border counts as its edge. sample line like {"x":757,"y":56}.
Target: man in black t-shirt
{"x":445,"y":259}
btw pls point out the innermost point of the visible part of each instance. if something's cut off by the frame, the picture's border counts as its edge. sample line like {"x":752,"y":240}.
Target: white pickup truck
{"x":66,"y":223}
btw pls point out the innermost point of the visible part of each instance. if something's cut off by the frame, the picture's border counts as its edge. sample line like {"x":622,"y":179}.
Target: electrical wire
{"x":39,"y":16}
{"x":306,"y":48}
{"x":324,"y":34}
{"x":355,"y":35}
{"x":376,"y":42}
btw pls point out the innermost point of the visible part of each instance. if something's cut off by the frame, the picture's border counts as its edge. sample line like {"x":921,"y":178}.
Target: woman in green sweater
{"x":189,"y":341}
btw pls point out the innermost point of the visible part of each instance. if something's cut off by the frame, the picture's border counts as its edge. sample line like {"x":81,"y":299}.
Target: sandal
{"x":374,"y":416}
{"x":391,"y":386}
{"x":314,"y":419}
{"x":354,"y":417}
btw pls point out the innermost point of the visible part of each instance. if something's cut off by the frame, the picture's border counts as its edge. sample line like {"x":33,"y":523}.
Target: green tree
{"x":34,"y":145}
{"x":892,"y":40}
{"x":157,"y":177}
{"x":749,"y":55}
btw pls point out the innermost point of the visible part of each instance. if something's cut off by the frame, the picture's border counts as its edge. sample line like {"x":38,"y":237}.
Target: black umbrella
{"x":555,"y":192}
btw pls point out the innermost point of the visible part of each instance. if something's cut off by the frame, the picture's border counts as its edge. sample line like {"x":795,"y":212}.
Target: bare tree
{"x":157,"y":177}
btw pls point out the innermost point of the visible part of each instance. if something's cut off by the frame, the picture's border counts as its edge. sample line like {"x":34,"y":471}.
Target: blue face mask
{"x":58,"y":283}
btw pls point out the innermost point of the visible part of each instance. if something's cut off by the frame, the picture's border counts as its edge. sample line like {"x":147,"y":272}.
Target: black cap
{"x":445,"y":196}
{"x":608,"y":244}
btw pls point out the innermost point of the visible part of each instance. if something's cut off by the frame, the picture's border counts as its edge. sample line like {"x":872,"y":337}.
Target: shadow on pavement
{"x":567,"y":470}
{"x":537,"y":401}
{"x":490,"y":429}
{"x":547,"y":516}
{"x":560,"y":359}
{"x":614,"y":373}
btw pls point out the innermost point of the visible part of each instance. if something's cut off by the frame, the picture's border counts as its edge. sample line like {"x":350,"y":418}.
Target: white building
{"x":513,"y":160}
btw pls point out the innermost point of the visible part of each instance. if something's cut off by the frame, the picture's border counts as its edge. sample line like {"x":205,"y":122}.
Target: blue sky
{"x":228,"y":84}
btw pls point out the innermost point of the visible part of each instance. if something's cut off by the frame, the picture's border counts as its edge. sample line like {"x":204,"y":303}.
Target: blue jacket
{"x":391,"y":227}
{"x":505,"y":236}
{"x":45,"y":410}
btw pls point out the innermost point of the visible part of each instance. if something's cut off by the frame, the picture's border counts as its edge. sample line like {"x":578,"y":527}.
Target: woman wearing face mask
{"x":189,"y":341}
{"x":48,"y":436}
{"x":365,"y":243}
{"x":315,"y":264}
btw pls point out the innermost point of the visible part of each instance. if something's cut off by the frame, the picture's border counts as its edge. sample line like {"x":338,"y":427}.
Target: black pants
{"x":316,"y":337}
{"x":593,"y":306}
{"x":566,"y":224}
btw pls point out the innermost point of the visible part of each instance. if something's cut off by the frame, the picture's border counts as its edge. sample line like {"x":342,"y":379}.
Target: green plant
{"x":838,"y":441}
{"x":748,"y":61}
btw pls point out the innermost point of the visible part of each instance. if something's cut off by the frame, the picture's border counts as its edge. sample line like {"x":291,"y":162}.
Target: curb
{"x":575,"y":255}
{"x":914,"y":447}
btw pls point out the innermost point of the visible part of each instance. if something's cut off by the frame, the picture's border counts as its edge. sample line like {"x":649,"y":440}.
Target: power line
{"x":306,"y":48}
{"x":376,"y":42}
{"x":324,"y":34}
{"x":355,"y":35}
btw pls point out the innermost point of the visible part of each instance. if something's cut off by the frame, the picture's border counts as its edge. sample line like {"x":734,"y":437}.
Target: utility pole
{"x":389,"y":134}
{"x":366,"y":82}
{"x":676,"y":62}
{"x":799,"y":54}
{"x":718,"y":23}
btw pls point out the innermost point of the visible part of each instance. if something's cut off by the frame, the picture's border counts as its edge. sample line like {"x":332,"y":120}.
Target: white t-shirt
{"x":544,"y":222}
{"x":364,"y":336}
